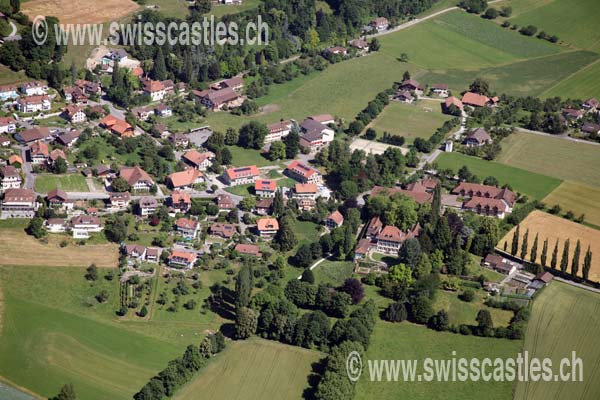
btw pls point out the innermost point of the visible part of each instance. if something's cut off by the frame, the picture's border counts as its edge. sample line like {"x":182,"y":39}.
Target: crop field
{"x":14,"y":240}
{"x":573,"y":21}
{"x":559,"y":158}
{"x":86,"y":11}
{"x":581,"y":85}
{"x":68,"y":183}
{"x":54,"y":331}
{"x":413,"y":342}
{"x":579,"y":198}
{"x":532,"y":184}
{"x":564,"y":319}
{"x":254,"y":369}
{"x":556,"y":228}
{"x":410,"y":120}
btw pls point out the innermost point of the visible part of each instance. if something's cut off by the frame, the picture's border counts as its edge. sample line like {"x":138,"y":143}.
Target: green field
{"x":8,"y":76}
{"x":241,"y":190}
{"x":412,"y":342}
{"x":333,"y":272}
{"x":559,"y":158}
{"x":461,"y":312}
{"x":69,"y":183}
{"x":254,"y":369}
{"x":564,"y":319}
{"x":579,"y":198}
{"x":581,"y":85}
{"x":244,"y":157}
{"x":532,"y":184}
{"x":573,"y":21}
{"x":410,"y":120}
{"x":54,"y":332}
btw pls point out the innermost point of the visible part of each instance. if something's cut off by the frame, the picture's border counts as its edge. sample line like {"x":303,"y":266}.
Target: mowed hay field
{"x":579,"y":198}
{"x":556,"y":228}
{"x":55,"y":332}
{"x":406,"y":341}
{"x":532,"y":184}
{"x":254,"y":369}
{"x":556,"y":157}
{"x":415,"y":120}
{"x":84,"y":11}
{"x":18,"y":248}
{"x":581,"y":85}
{"x":564,"y":319}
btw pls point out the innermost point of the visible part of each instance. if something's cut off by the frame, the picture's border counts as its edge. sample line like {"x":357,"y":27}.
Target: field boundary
{"x":590,"y":65}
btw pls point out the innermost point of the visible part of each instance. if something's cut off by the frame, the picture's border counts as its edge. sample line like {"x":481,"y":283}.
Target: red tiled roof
{"x":265,"y":185}
{"x":475,"y":99}
{"x":249,"y":249}
{"x":336,"y":217}
{"x":184,"y":178}
{"x":242,"y":172}
{"x":134,"y":174}
{"x":301,"y":169}
{"x":185,"y":223}
{"x":267,"y":224}
{"x":305,"y":188}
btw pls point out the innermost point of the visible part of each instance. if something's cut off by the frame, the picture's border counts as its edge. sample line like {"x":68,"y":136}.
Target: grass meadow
{"x":333,"y":272}
{"x":413,"y":342}
{"x":410,"y":120}
{"x":559,"y":229}
{"x":254,"y":369}
{"x":559,"y":158}
{"x":582,"y":84}
{"x":532,"y":184}
{"x":461,"y":312}
{"x":564,"y":319}
{"x":44,"y":183}
{"x":579,"y":198}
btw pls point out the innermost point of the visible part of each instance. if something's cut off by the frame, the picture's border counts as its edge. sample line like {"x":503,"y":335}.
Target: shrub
{"x":468,"y":295}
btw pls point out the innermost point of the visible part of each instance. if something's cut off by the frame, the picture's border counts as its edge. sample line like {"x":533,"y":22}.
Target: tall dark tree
{"x":534,"y":249}
{"x":587,"y":264}
{"x":252,"y":135}
{"x":243,"y":287}
{"x":514,"y":248}
{"x":564,"y":261}
{"x":484,"y":321}
{"x":292,"y":143}
{"x":575,"y":262}
{"x":278,"y":204}
{"x":436,"y":205}
{"x":544,"y":255}
{"x":525,"y":244}
{"x":285,"y":237}
{"x":67,"y":392}
{"x":159,"y":69}
{"x":554,"y":259}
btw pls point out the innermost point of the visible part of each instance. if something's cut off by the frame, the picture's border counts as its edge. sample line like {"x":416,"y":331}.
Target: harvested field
{"x":579,"y":198}
{"x":84,"y":12}
{"x":18,"y":248}
{"x":556,"y":228}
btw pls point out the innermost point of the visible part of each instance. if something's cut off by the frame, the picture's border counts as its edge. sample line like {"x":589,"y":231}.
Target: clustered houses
{"x":315,"y":132}
{"x":201,"y":161}
{"x":137,"y":253}
{"x":303,"y":173}
{"x":81,"y":91}
{"x":157,"y":90}
{"x":382,"y":239}
{"x":241,"y":175}
{"x":18,"y":203}
{"x":11,"y":178}
{"x":137,"y":178}
{"x":8,"y":92}
{"x":224,"y":94}
{"x":265,"y":188}
{"x":486,"y":200}
{"x":305,"y":195}
{"x":117,"y":126}
{"x":145,"y":112}
{"x":33,"y":88}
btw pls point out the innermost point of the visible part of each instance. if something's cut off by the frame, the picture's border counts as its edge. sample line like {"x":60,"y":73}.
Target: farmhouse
{"x":278,"y":131}
{"x":573,"y":114}
{"x":500,"y":264}
{"x":19,"y":203}
{"x":184,"y":259}
{"x":404,"y":96}
{"x":225,"y":231}
{"x":83,"y":225}
{"x":147,"y":206}
{"x":360,"y":44}
{"x":34,"y":104}
{"x":11,"y":179}
{"x":58,"y":199}
{"x":185,"y":179}
{"x":412,"y":86}
{"x":188,"y":228}
{"x":137,"y":178}
{"x":235,"y":83}
{"x":486,"y":200}
{"x":8,"y":125}
{"x":303,"y":173}
{"x":478,"y":100}
{"x":334,"y":220}
{"x":248,"y":250}
{"x":440,"y":89}
{"x":265,"y":187}
{"x":267,"y":227}
{"x":477,"y":138}
{"x":380,"y":23}
{"x":590,"y":128}
{"x":201,"y":161}
{"x":180,"y":201}
{"x":241,"y":175}
{"x":453,"y":101}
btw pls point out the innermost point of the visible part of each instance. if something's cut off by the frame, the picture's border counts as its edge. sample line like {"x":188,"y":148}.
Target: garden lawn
{"x":564,"y":319}
{"x":306,"y":231}
{"x":254,"y":369}
{"x":333,"y":272}
{"x":244,"y":157}
{"x":462,"y":312}
{"x":410,"y":120}
{"x":559,"y":158}
{"x":241,"y":190}
{"x":532,"y":184}
{"x":395,"y":341}
{"x":44,"y":183}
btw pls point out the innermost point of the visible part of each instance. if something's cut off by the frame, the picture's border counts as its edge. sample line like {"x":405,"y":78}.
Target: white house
{"x":34,"y":88}
{"x":83,"y":225}
{"x":11,"y":179}
{"x":8,"y":125}
{"x":241,"y":176}
{"x":34,"y":104}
